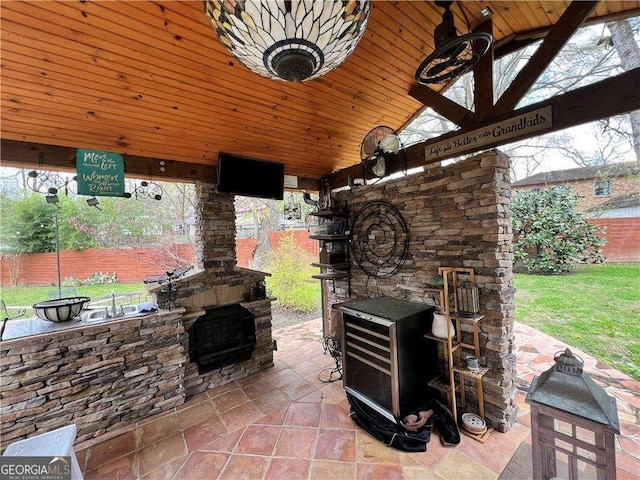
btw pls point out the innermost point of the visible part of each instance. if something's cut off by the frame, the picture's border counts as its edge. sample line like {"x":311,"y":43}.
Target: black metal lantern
{"x":468,"y":299}
{"x":573,"y":423}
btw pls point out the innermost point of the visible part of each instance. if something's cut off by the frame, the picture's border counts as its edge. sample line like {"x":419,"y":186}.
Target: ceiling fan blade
{"x":380,"y":168}
{"x":390,"y":144}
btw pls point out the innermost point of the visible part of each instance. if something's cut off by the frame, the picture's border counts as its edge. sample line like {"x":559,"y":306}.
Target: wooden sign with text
{"x":100,"y":173}
{"x":510,"y":129}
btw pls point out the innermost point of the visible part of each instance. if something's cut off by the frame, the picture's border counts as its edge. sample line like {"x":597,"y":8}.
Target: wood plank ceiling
{"x":151,"y":79}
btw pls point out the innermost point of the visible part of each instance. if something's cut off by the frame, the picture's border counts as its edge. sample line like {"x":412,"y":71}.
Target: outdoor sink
{"x":104,"y":313}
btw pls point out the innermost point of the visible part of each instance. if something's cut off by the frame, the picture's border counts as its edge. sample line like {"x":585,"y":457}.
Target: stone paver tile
{"x":370,"y":450}
{"x":322,"y":469}
{"x":109,"y":450}
{"x":271,"y":402}
{"x":204,"y":432}
{"x":161,"y":428}
{"x":123,"y":468}
{"x":244,"y":467}
{"x":298,"y":442}
{"x":334,"y":416}
{"x":202,"y":466}
{"x":334,"y":444}
{"x":229,"y":400}
{"x":222,"y":389}
{"x":195,"y":414}
{"x":162,"y":452}
{"x":288,"y":468}
{"x":258,"y":440}
{"x":297,"y":389}
{"x":241,"y":416}
{"x":283,"y":377}
{"x":225,"y":443}
{"x":194,"y":400}
{"x":493,"y":454}
{"x":375,"y":471}
{"x":303,"y":414}
{"x":166,"y":471}
{"x":458,"y":466}
{"x":274,"y":417}
{"x":258,"y":388}
{"x":419,"y":473}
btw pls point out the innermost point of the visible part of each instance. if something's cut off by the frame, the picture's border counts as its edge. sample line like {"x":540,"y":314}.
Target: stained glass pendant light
{"x":291,"y":40}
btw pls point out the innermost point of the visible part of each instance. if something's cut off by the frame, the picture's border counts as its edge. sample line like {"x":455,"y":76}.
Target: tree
{"x":28,"y":225}
{"x":550,"y":237}
{"x":290,"y":280}
{"x":622,"y":39}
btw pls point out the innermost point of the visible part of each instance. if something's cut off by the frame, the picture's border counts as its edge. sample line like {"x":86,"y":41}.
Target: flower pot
{"x":439,"y":326}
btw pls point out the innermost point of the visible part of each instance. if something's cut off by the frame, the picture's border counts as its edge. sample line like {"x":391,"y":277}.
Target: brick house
{"x":608,"y":196}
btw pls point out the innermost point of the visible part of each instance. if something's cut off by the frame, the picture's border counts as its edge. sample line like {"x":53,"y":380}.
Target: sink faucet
{"x":114,"y":311}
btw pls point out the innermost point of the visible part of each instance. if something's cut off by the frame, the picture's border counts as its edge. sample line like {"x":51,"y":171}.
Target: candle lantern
{"x":468,"y":299}
{"x":573,"y":423}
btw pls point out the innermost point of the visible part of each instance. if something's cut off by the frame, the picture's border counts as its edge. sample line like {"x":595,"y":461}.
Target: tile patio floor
{"x":285,"y":424}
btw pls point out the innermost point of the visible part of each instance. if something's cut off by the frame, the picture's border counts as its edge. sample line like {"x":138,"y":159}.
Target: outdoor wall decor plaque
{"x":100,"y":173}
{"x":510,"y":129}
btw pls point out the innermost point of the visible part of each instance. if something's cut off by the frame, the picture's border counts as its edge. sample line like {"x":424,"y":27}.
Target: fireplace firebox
{"x":222,"y":336}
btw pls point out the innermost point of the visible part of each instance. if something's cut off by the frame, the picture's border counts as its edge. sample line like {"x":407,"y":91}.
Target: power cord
{"x":331,"y":346}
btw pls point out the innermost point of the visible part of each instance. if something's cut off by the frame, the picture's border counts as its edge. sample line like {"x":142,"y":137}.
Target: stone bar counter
{"x":101,"y":375}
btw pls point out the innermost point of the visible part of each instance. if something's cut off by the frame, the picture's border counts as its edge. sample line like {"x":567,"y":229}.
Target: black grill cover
{"x":393,"y":434}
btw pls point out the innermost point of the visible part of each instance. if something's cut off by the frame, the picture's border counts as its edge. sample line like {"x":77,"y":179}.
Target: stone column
{"x":215,"y":230}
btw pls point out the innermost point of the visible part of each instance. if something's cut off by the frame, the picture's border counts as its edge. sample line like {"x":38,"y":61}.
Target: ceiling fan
{"x":454,"y":55}
{"x":380,"y":143}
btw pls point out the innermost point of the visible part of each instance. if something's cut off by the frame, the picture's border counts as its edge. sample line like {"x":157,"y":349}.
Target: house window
{"x":602,"y":188}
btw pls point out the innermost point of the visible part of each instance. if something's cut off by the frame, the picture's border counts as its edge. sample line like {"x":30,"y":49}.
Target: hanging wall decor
{"x":379,"y":239}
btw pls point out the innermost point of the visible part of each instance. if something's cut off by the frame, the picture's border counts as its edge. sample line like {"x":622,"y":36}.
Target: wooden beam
{"x":19,"y":154}
{"x":567,"y":24}
{"x":513,"y":42}
{"x":442,"y":105}
{"x":607,"y":98}
{"x":483,"y":78}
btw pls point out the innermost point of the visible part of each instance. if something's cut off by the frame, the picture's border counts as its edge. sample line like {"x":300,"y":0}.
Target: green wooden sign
{"x":100,"y":173}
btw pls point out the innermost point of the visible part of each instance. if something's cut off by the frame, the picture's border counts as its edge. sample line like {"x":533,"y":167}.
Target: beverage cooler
{"x":386,"y":360}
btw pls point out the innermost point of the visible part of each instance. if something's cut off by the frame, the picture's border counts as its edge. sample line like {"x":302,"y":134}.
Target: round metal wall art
{"x":290,"y":40}
{"x":379,"y":239}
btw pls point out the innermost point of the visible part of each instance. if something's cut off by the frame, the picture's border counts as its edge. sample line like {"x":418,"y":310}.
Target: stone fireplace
{"x":217,"y":282}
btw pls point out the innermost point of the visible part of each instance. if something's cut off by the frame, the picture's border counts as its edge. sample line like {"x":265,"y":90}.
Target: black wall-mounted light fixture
{"x":93,"y":202}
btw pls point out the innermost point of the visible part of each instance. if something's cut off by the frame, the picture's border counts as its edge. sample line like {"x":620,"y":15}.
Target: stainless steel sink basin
{"x":104,"y":313}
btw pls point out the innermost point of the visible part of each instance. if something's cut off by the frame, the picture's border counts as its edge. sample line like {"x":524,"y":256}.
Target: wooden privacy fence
{"x":128,"y":264}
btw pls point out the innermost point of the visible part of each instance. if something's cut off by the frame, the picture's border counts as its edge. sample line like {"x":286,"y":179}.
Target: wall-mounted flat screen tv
{"x":250,"y":177}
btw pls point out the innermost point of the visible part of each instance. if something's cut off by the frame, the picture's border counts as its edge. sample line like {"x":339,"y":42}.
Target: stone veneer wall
{"x":103,"y":377}
{"x":221,"y":283}
{"x":457,"y":216}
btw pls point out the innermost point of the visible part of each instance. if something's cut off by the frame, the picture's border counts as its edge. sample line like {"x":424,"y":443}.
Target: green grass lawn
{"x":596,"y":309}
{"x":27,"y":296}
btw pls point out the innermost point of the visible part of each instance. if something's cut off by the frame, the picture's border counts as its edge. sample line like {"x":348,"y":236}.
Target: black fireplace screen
{"x":222,"y":336}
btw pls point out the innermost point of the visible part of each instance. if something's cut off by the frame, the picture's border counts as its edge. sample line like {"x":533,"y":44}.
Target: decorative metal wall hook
{"x":146,"y":188}
{"x":49,"y":183}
